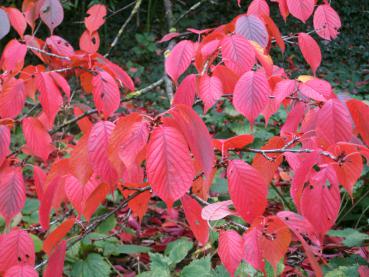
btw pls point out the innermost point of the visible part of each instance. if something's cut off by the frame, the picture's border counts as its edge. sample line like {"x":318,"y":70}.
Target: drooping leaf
{"x":4,"y":24}
{"x":230,"y":250}
{"x":16,"y":248}
{"x":106,"y":93}
{"x":12,"y":98}
{"x":252,"y":28}
{"x":79,"y":164}
{"x":47,"y":201}
{"x":96,"y":17}
{"x":218,"y":210}
{"x":4,"y":142}
{"x":326,"y":22}
{"x":55,"y":265}
{"x":21,"y":271}
{"x":179,"y":59}
{"x":334,"y":122}
{"x":310,"y":50}
{"x":210,"y":90}
{"x":51,"y":13}
{"x":54,"y":238}
{"x":38,"y":140}
{"x":238,"y":54}
{"x":61,"y":82}
{"x":12,"y":192}
{"x":259,"y":8}
{"x":12,"y":58}
{"x":316,"y":89}
{"x":17,"y":20}
{"x":251,"y":94}
{"x":186,"y":91}
{"x":197,"y":136}
{"x":198,"y":225}
{"x":252,"y":252}
{"x":140,"y":203}
{"x":247,"y":189}
{"x":169,"y":165}
{"x":89,"y":42}
{"x":301,"y":9}
{"x":359,"y":113}
{"x":95,"y":199}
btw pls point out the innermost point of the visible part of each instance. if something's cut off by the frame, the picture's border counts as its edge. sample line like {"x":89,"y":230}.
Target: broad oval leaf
{"x":79,"y":164}
{"x":12,"y":58}
{"x":210,"y":90}
{"x":12,"y":98}
{"x":51,"y":13}
{"x":252,"y":28}
{"x":310,"y":50}
{"x":89,"y":42}
{"x":317,"y":89}
{"x":12,"y":193}
{"x":238,"y":54}
{"x":179,"y":59}
{"x":334,"y":123}
{"x":186,"y":91}
{"x":247,"y":189}
{"x":169,"y":165}
{"x":251,"y":94}
{"x":4,"y":24}
{"x":106,"y":93}
{"x":96,"y":17}
{"x":326,"y":22}
{"x":259,"y":8}
{"x":230,"y":250}
{"x":17,"y":20}
{"x":16,"y":248}
{"x":301,"y":9}
{"x":38,"y":140}
{"x":199,"y":226}
{"x":217,"y":210}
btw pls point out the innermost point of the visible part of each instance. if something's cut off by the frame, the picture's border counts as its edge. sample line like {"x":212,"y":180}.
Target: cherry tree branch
{"x":48,"y":53}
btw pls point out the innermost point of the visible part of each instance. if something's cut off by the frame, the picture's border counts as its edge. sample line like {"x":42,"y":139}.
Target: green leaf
{"x":343,"y":271}
{"x":160,"y":263}
{"x":132,"y":249}
{"x":269,"y":270}
{"x":32,"y":205}
{"x":107,"y":225}
{"x":351,"y":236}
{"x":201,"y":267}
{"x":93,"y":266}
{"x":178,"y":250}
{"x":37,"y":242}
{"x":220,"y":271}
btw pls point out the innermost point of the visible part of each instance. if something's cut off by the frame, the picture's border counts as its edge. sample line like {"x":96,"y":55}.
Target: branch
{"x":48,"y":53}
{"x":191,"y":9}
{"x":123,"y":27}
{"x":169,"y":18}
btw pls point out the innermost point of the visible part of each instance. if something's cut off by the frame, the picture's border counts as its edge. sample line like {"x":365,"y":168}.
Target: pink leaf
{"x":199,"y":226}
{"x":217,"y":210}
{"x":186,"y":91}
{"x":317,"y":89}
{"x":259,"y":8}
{"x":326,"y":22}
{"x":96,"y":17}
{"x":238,"y":54}
{"x":89,"y":42}
{"x":251,"y":94}
{"x":169,"y":165}
{"x":55,"y":265}
{"x":4,"y":24}
{"x":17,"y":20}
{"x":47,"y":201}
{"x":179,"y":59}
{"x":252,"y":28}
{"x":12,"y":98}
{"x":12,"y":193}
{"x":301,"y":9}
{"x":310,"y":50}
{"x":21,"y":271}
{"x":51,"y":13}
{"x":210,"y":90}
{"x":12,"y":58}
{"x":247,"y":189}
{"x":4,"y":142}
{"x":230,"y":250}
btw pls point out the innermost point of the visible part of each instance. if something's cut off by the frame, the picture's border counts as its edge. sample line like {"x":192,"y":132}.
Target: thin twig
{"x":48,"y":53}
{"x":169,"y":17}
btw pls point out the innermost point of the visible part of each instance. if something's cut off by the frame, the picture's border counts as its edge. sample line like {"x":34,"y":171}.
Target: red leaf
{"x":50,"y":97}
{"x":12,"y":98}
{"x":306,"y":234}
{"x":247,"y":189}
{"x":59,"y":46}
{"x":98,"y":143}
{"x":55,"y":265}
{"x":119,"y":74}
{"x":252,"y":252}
{"x":12,"y":193}
{"x":230,"y":250}
{"x":129,"y":138}
{"x":237,"y":142}
{"x":320,"y":200}
{"x":61,"y":83}
{"x":106,"y":93}
{"x":197,"y":137}
{"x":96,"y":17}
{"x":283,"y":8}
{"x":95,"y":199}
{"x":12,"y":59}
{"x":186,"y":91}
{"x":57,"y":235}
{"x":326,"y":22}
{"x":79,"y":164}
{"x":78,"y":193}
{"x":179,"y":59}
{"x":21,"y":271}
{"x":274,"y":30}
{"x":259,"y":8}
{"x":238,"y":54}
{"x":334,"y":123}
{"x":47,"y":201}
{"x":51,"y":13}
{"x":139,"y":204}
{"x":252,"y":28}
{"x":17,"y":20}
{"x":301,"y":9}
{"x":4,"y":142}
{"x":310,"y":50}
{"x":89,"y":42}
{"x":169,"y":36}
{"x":227,"y":76}
{"x":294,"y":118}
{"x":16,"y":248}
{"x":4,"y":24}
{"x":38,"y":140}
{"x":251,"y":94}
{"x":317,"y":89}
{"x":169,"y":165}
{"x":218,"y":210}
{"x":210,"y":90}
{"x":39,"y":179}
{"x":84,"y":124}
{"x":360,"y":114}
{"x":199,"y":227}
